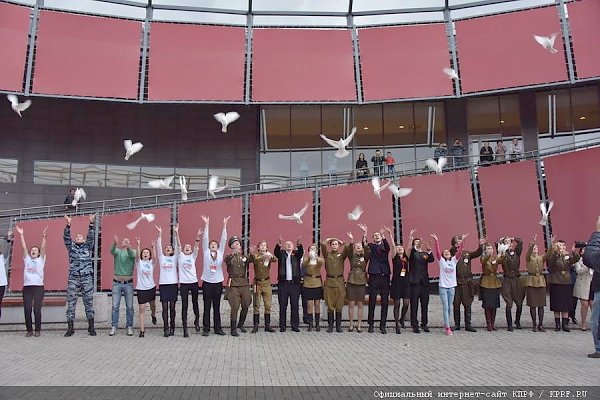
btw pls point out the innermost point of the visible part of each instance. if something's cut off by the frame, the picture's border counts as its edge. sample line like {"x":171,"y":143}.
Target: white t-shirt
{"x":168,"y":266}
{"x":212,"y":269}
{"x":33,"y":273}
{"x":3,"y":281}
{"x":187,"y":268}
{"x":448,"y":272}
{"x":145,"y":274}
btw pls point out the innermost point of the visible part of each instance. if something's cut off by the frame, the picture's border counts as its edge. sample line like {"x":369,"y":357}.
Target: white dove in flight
{"x":226,"y":119}
{"x":377,"y":188}
{"x":451,"y":73}
{"x":438,"y":166}
{"x":356,"y":213}
{"x":340,"y":144}
{"x":131,"y":148}
{"x":398,"y":191}
{"x":183,"y":186}
{"x":297,"y":216}
{"x":148,"y":217}
{"x":78,"y":196}
{"x":212,"y":185}
{"x":545,"y":212}
{"x":161,"y":183}
{"x":547,"y":42}
{"x":16,"y":106}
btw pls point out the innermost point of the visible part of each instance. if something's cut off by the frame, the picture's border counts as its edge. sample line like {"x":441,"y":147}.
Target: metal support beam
{"x":452,"y":48}
{"x":144,"y":61}
{"x":478,"y":208}
{"x":248,"y":78}
{"x":567,"y":38}
{"x":33,"y":24}
{"x":356,"y":58}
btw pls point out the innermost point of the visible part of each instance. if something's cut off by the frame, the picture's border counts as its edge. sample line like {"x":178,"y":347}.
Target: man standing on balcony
{"x":122,"y":283}
{"x":81,"y":274}
{"x":378,"y":161}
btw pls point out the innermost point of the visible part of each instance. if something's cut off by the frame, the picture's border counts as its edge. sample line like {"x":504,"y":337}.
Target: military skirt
{"x":490,"y":298}
{"x":356,"y":292}
{"x":146,"y":296}
{"x":312,"y":293}
{"x":536,"y":296}
{"x":561,"y":297}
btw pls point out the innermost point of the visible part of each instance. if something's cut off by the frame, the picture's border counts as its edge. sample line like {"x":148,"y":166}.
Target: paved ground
{"x":299,"y":359}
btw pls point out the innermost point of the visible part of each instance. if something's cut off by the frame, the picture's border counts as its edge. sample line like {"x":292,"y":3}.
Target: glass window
{"x":429,"y":123}
{"x":306,"y":127}
{"x":88,"y":174}
{"x":198,"y":17}
{"x":368,"y":120}
{"x":382,"y":5}
{"x":123,"y":176}
{"x":197,"y":178}
{"x":299,"y":20}
{"x":332,"y":121}
{"x":510,"y":116}
{"x":273,"y":167}
{"x":8,"y":170}
{"x":276,"y":127}
{"x":152,"y":173}
{"x":563,"y":111}
{"x":406,"y":18}
{"x":483,"y":115}
{"x":501,"y":7}
{"x":229,"y":177}
{"x":398,"y":124}
{"x":241,"y":5}
{"x":98,"y":7}
{"x":301,"y":5}
{"x":306,"y":163}
{"x":337,"y":169}
{"x":51,"y":173}
{"x":586,"y":108}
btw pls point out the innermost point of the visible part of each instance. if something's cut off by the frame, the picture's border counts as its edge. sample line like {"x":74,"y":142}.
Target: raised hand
{"x":388,"y":230}
{"x":363,"y":227}
{"x":350,"y":236}
{"x":280,"y":240}
{"x":153,"y":243}
{"x":44,"y":231}
{"x":199,"y":232}
{"x":116,"y":238}
{"x":464,"y":236}
{"x":69,"y":219}
{"x":433,"y":235}
{"x":205,"y":219}
{"x":534,"y":238}
{"x":19,"y":230}
{"x":92,"y":218}
{"x":9,"y":233}
{"x":226,"y":219}
{"x":298,"y":239}
{"x":176,"y":228}
{"x":412,"y":232}
{"x":138,"y":241}
{"x":159,"y":229}
{"x":428,"y":246}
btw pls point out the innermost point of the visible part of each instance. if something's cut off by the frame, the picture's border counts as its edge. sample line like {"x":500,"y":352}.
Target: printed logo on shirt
{"x":187,"y":265}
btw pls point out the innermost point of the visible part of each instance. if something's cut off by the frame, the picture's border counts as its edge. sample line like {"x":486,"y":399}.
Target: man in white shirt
{"x":289,"y":281}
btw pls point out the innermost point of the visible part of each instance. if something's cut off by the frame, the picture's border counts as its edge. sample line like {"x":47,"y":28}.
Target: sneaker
{"x":129,"y":331}
{"x":449,"y":331}
{"x":113,"y":330}
{"x":594,"y":355}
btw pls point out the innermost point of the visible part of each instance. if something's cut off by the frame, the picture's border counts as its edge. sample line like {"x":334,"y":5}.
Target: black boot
{"x":197,"y":323}
{"x":398,"y":328}
{"x":509,"y":319}
{"x":541,"y":319}
{"x":172,"y":318}
{"x":565,"y":325}
{"x":240,"y":324}
{"x":338,"y":321}
{"x":468,"y":325}
{"x":310,"y":323}
{"x":233,"y":328}
{"x":255,"y":320}
{"x":456,"y":319}
{"x":402,"y":316}
{"x":533,"y":318}
{"x":70,"y":329}
{"x":518,"y":317}
{"x":165,"y":328}
{"x":268,"y":323}
{"x":318,"y":322}
{"x":557,"y":324}
{"x":165,"y":318}
{"x":91,"y":330}
{"x":329,"y":321}
{"x":185,"y":328}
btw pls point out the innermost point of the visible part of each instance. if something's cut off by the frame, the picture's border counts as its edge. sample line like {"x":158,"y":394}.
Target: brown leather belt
{"x":335,"y":276}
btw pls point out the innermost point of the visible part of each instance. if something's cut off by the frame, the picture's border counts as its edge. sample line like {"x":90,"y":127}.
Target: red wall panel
{"x":81,"y":55}
{"x":585,"y":33}
{"x":500,"y":52}
{"x":265,"y":224}
{"x":404,"y":62}
{"x":57,"y":259}
{"x":178,"y":52}
{"x":337,"y":202}
{"x":302,"y":65}
{"x":440,"y":204}
{"x":115,"y":224}
{"x":14,"y":29}
{"x":511,"y":207}
{"x":189,"y":218}
{"x":572,"y":183}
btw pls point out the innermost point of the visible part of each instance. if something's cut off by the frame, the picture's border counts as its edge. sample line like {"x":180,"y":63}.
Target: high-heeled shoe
{"x":142,"y":334}
{"x":153,"y":319}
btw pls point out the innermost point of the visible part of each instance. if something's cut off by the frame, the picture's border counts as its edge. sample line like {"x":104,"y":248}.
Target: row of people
{"x":297,"y":274}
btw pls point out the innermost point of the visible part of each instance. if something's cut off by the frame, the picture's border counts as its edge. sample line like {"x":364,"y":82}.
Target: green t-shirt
{"x":124,"y":260}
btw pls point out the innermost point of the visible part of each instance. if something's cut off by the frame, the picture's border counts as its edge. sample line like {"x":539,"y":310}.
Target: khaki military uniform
{"x":357,"y":278}
{"x":465,"y":286}
{"x":312,"y":278}
{"x":535,"y":283}
{"x":262,"y":282}
{"x":239,"y":293}
{"x":512,"y":288}
{"x":335,"y":290}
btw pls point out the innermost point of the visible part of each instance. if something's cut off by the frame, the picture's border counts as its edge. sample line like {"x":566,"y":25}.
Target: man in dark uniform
{"x":465,"y":286}
{"x":512,"y":288}
{"x":379,"y":277}
{"x":418,"y":276}
{"x":239,"y":287}
{"x":335,"y":289}
{"x":262,"y":260}
{"x":288,"y":287}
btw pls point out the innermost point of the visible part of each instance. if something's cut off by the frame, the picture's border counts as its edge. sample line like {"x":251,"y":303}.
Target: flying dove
{"x":295,"y":216}
{"x":79,"y":195}
{"x":438,"y":166}
{"x":356,"y":213}
{"x":16,"y":106}
{"x":131,"y":148}
{"x":545,"y":212}
{"x":451,"y":73}
{"x":147,"y":217}
{"x":340,"y":144}
{"x":212,"y":185}
{"x":183,"y":185}
{"x":398,"y":191}
{"x":547,"y":42}
{"x":226,"y":119}
{"x":377,"y":188}
{"x":161,"y":183}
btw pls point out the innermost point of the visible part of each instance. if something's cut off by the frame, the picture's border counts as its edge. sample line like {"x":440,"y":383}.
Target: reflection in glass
{"x":510,"y":115}
{"x":8,"y":170}
{"x":197,"y":178}
{"x":276,"y":125}
{"x":229,"y":177}
{"x":51,"y":173}
{"x":274,"y":166}
{"x":306,"y":163}
{"x":560,"y":100}
{"x":152,"y":173}
{"x":398,"y":124}
{"x":368,"y":119}
{"x":306,"y":127}
{"x":483,"y":115}
{"x":586,"y":108}
{"x":123,"y":176}
{"x":88,"y":174}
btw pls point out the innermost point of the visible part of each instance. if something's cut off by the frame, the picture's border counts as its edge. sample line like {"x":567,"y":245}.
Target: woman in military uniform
{"x":489,"y":286}
{"x":356,"y":287}
{"x":535,"y":286}
{"x":560,"y":263}
{"x":313,"y":287}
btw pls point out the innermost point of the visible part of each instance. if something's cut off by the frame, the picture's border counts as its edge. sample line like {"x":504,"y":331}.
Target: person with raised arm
{"x":124,"y":259}
{"x":334,"y":253}
{"x":34,"y":260}
{"x":535,"y":285}
{"x":212,"y":277}
{"x":3,"y":281}
{"x":239,"y":287}
{"x":313,"y":286}
{"x":262,"y":260}
{"x":400,"y":288}
{"x":145,"y":286}
{"x":81,"y":274}
{"x":489,"y":286}
{"x":379,"y":277}
{"x":560,"y":262}
{"x":288,"y":286}
{"x":418,"y":276}
{"x":447,"y":279}
{"x":188,"y":280}
{"x":168,"y":280}
{"x":359,"y":255}
{"x":512,"y":288}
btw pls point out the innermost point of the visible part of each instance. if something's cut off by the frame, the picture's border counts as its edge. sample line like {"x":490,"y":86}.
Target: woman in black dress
{"x":400,"y":285}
